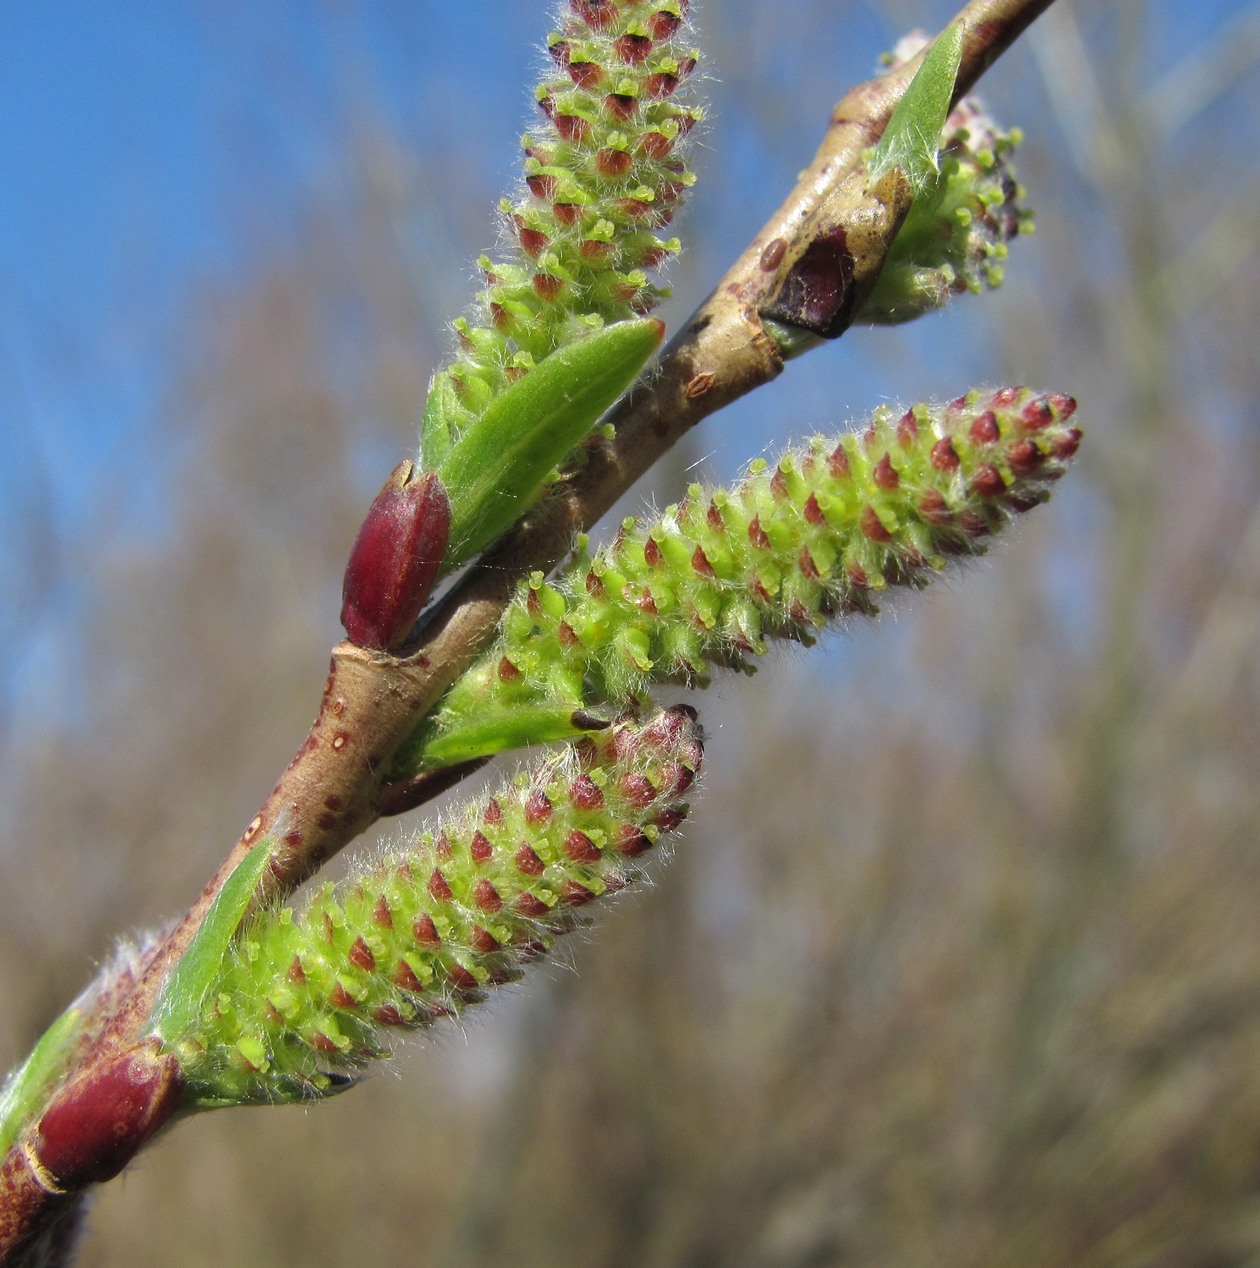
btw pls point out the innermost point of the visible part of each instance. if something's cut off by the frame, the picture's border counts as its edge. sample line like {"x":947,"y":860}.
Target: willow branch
{"x":337,"y":785}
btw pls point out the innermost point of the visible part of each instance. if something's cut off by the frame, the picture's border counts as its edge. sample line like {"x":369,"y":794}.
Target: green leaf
{"x":26,"y":1090}
{"x":912,"y":139}
{"x":497,"y":469}
{"x":515,"y":728}
{"x":179,"y":1004}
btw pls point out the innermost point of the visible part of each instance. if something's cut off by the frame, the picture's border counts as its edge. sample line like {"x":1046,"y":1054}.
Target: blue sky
{"x":147,"y":146}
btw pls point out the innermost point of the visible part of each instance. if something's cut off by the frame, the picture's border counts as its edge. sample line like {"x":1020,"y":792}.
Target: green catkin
{"x":817,"y":535}
{"x":307,"y":998}
{"x":955,"y":237}
{"x":604,"y":174}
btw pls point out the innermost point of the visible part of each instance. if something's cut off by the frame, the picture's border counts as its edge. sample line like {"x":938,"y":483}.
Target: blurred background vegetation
{"x":958,"y":962}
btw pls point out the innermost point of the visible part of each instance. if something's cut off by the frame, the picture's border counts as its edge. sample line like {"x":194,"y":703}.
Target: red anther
{"x":857,"y":577}
{"x":700,"y":563}
{"x":492,"y":816}
{"x":425,"y":931}
{"x":584,"y":794}
{"x":527,"y":860}
{"x":655,"y":145}
{"x":1064,"y":406}
{"x":660,"y":84}
{"x":597,"y":14}
{"x":480,"y":848}
{"x":838,"y":463}
{"x":575,"y":895}
{"x":404,"y":976}
{"x":388,"y":1015}
{"x":662,"y":25}
{"x":395,"y":559}
{"x":1005,"y":397}
{"x":713,"y":516}
{"x":566,"y":213}
{"x":508,"y":672}
{"x":621,"y":106}
{"x":805,"y":562}
{"x":382,"y":917}
{"x":560,"y":51}
{"x":610,"y":162}
{"x":944,"y":455}
{"x":756,"y":587}
{"x":632,"y":49}
{"x":933,"y":509}
{"x":537,"y":808}
{"x":637,"y":789}
{"x":632,"y":841}
{"x":502,"y":320}
{"x":987,"y":481}
{"x":341,"y":998}
{"x":485,"y":897}
{"x":907,"y":430}
{"x":974,"y":525}
{"x":757,"y":535}
{"x":580,"y":848}
{"x":652,"y":553}
{"x":593,"y":249}
{"x":872,"y":526}
{"x":984,"y":429}
{"x":958,"y":403}
{"x":813,"y":512}
{"x":1066,"y":447}
{"x":97,"y":1124}
{"x":1037,"y":413}
{"x":779,"y":484}
{"x":573,"y":128}
{"x":360,"y":955}
{"x":531,"y":906}
{"x":636,"y":208}
{"x":482,"y":940}
{"x":322,"y":1043}
{"x":676,"y":778}
{"x":566,"y":635}
{"x":442,"y":846}
{"x":542,"y":185}
{"x":588,"y":75}
{"x":296,"y":974}
{"x":438,"y":888}
{"x":594,"y":585}
{"x":461,"y":978}
{"x":547,"y":104}
{"x":1024,"y":457}
{"x":885,"y":474}
{"x":547,"y":286}
{"x":669,"y":818}
{"x":533,"y":241}
{"x":645,"y":602}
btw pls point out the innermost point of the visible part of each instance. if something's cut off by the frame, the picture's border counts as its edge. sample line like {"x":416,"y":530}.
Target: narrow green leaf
{"x":26,"y":1090}
{"x":180,"y":1002}
{"x":497,"y":469}
{"x":913,"y":136}
{"x":512,"y":729}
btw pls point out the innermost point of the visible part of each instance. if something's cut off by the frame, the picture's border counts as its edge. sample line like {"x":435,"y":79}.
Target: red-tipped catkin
{"x":605,"y":170}
{"x":814,"y":536}
{"x":306,"y":996}
{"x":395,"y":559}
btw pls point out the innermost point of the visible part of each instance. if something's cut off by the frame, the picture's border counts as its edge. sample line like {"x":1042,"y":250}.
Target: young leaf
{"x":497,"y":469}
{"x":912,"y":138}
{"x":27,"y":1088}
{"x":180,"y":1002}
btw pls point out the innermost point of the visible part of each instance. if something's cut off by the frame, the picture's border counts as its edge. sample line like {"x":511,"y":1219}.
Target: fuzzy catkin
{"x":815,"y":536}
{"x":307,"y":998}
{"x":604,"y":173}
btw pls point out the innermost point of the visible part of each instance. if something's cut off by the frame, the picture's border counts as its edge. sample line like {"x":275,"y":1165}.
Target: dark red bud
{"x":395,"y":559}
{"x":94,"y":1127}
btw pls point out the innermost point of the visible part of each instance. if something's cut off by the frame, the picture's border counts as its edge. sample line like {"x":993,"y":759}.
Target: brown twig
{"x":337,"y":784}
